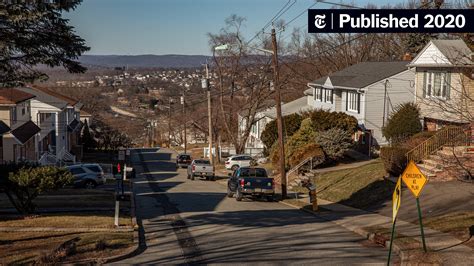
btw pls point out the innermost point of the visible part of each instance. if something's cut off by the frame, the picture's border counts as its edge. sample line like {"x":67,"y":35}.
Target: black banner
{"x":390,"y":20}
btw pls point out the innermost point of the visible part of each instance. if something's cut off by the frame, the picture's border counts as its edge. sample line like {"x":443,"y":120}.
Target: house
{"x":58,"y":117}
{"x":368,"y":91}
{"x":17,"y":131}
{"x":268,"y":113}
{"x":444,"y":88}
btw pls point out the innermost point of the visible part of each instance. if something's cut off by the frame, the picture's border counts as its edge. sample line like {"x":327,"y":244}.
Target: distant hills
{"x":145,"y":61}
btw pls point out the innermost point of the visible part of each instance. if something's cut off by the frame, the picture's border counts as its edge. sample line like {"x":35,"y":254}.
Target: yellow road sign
{"x":414,"y":179}
{"x":397,"y":198}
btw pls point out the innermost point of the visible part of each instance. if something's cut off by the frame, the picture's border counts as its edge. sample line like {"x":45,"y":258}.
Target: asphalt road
{"x":192,"y":222}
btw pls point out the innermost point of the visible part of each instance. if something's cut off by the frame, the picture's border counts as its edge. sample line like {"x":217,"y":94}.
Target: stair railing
{"x":445,"y":136}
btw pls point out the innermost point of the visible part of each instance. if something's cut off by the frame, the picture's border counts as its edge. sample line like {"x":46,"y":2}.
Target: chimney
{"x":407,"y":57}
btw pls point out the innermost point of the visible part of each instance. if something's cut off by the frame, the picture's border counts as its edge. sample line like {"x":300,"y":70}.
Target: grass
{"x":361,"y":187}
{"x":411,"y":246}
{"x":456,"y":223}
{"x":26,"y":247}
{"x":67,"y":220}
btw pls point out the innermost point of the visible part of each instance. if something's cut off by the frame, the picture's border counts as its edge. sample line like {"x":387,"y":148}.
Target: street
{"x":193,"y":222}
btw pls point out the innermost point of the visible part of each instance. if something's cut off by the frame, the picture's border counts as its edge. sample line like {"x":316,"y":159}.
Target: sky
{"x":133,"y":27}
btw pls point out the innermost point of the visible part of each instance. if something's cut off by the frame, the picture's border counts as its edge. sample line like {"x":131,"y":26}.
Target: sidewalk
{"x":356,"y":220}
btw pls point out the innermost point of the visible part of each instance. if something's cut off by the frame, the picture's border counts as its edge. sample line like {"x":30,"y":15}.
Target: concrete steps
{"x":448,"y":163}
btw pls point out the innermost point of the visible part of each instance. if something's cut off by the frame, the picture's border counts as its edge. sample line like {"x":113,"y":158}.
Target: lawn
{"x":28,"y":247}
{"x":456,"y":223}
{"x":104,"y":219}
{"x":363,"y":187}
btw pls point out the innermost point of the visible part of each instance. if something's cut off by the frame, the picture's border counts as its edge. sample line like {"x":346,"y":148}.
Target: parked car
{"x":183,"y":160}
{"x":236,"y":161}
{"x":201,"y":168}
{"x":250,"y":181}
{"x":87,"y":175}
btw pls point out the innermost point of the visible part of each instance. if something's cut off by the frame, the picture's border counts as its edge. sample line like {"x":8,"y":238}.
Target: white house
{"x":369,"y":91}
{"x":58,"y":116}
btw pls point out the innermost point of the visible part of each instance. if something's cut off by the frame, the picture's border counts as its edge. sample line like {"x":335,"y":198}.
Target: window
{"x":328,"y":94}
{"x":437,"y":84}
{"x":13,"y":115}
{"x":94,"y":168}
{"x":318,"y":94}
{"x":353,"y":102}
{"x":23,"y":109}
{"x":77,"y":171}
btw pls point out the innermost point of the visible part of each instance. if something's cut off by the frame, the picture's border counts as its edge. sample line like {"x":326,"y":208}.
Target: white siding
{"x":431,"y":55}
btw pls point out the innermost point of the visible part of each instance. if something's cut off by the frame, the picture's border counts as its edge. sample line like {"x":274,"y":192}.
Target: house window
{"x":437,"y":84}
{"x":318,"y":94}
{"x":23,"y":109}
{"x":13,"y":115}
{"x":353,"y":102}
{"x":328,"y":94}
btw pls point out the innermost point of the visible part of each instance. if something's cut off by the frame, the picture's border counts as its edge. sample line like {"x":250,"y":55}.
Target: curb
{"x":360,"y":231}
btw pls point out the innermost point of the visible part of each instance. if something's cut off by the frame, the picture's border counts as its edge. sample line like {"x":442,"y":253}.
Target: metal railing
{"x":297,"y":168}
{"x":450,"y":135}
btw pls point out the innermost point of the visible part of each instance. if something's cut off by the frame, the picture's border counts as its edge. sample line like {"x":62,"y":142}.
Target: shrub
{"x":403,"y":123}
{"x":324,"y":120}
{"x":291,"y":123}
{"x":25,"y":184}
{"x":306,"y":151}
{"x":417,"y":139}
{"x":334,"y":142}
{"x":394,"y":159}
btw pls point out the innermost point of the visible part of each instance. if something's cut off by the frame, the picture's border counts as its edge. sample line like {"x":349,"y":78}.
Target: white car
{"x":236,"y":161}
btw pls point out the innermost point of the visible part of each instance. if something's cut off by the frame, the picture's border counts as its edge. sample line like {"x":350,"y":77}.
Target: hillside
{"x":145,"y":61}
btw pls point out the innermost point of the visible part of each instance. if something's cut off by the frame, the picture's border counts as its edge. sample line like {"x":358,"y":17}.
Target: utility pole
{"x":183,"y":102}
{"x":384,"y":103}
{"x":276,"y":84}
{"x":169,"y":122}
{"x":206,"y":85}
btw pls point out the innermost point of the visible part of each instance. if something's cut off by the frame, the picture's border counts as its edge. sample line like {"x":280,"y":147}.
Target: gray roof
{"x":456,"y":51}
{"x":296,"y":106}
{"x":363,"y":74}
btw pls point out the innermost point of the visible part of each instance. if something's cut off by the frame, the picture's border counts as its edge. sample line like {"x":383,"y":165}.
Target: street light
{"x":276,"y":87}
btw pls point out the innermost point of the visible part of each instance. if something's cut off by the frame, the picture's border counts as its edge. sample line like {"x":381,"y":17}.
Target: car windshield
{"x":185,"y":157}
{"x":253,"y":172}
{"x":205,"y":162}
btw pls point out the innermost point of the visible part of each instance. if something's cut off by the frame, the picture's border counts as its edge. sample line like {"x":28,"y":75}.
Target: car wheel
{"x":89,"y":184}
{"x":270,"y":198}
{"x":238,"y":195}
{"x":234,"y":167}
{"x":187,"y":176}
{"x":192,"y":176}
{"x":230,"y":194}
{"x":207,"y":178}
{"x":213,"y":178}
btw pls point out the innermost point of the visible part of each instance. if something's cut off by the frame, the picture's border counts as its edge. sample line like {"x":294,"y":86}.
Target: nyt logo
{"x":319,"y":21}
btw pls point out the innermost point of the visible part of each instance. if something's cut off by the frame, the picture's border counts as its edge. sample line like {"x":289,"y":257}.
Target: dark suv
{"x":183,"y":160}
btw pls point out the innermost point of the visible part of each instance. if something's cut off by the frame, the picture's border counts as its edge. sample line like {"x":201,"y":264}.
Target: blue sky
{"x":130,"y":27}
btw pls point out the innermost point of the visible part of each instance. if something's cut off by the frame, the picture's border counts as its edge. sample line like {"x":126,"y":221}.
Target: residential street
{"x":188,"y":221}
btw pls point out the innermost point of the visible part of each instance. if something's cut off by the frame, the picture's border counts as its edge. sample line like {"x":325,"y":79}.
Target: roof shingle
{"x":10,"y":96}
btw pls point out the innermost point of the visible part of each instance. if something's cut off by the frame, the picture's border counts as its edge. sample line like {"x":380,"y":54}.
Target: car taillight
{"x":242,"y":183}
{"x":273,"y":183}
{"x":194,"y":167}
{"x":227,"y":162}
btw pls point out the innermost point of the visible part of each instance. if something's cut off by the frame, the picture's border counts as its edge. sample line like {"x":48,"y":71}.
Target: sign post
{"x":415,"y":181}
{"x":396,"y":201}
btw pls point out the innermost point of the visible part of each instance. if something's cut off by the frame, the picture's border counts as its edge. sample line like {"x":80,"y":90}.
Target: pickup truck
{"x":250,"y":181}
{"x":201,"y":168}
